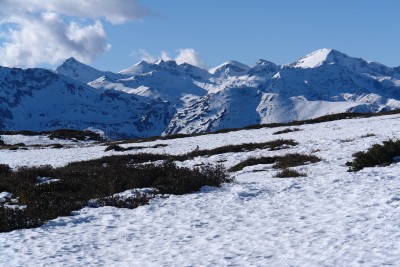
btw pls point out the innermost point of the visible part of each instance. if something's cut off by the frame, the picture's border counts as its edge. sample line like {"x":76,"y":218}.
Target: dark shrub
{"x":280,"y":162}
{"x":178,"y":180}
{"x":4,"y":169}
{"x":288,"y":130}
{"x":119,"y":148}
{"x":11,"y":219}
{"x":58,"y":146}
{"x":68,"y":134}
{"x":2,"y":142}
{"x":14,"y":181}
{"x":119,"y":202}
{"x":114,"y":147}
{"x":281,"y":144}
{"x":288,"y":173}
{"x":377,"y":155}
{"x":293,"y":160}
{"x":159,"y":145}
{"x":368,"y":135}
{"x":80,"y":182}
{"x":271,"y":145}
{"x":252,"y":162}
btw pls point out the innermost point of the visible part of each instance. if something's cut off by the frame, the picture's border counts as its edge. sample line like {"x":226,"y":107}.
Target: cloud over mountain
{"x":34,"y":32}
{"x":185,"y":55}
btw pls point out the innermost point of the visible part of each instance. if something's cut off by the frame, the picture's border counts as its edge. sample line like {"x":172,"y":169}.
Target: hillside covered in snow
{"x":163,"y":97}
{"x":328,"y":217}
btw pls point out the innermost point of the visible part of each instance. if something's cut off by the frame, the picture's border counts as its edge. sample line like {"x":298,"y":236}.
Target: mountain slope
{"x":76,"y":70}
{"x":323,"y":82}
{"x":38,"y":99}
{"x":163,"y":79}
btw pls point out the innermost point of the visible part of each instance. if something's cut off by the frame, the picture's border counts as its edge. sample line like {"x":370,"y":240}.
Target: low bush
{"x":57,"y":146}
{"x":293,"y":160}
{"x":287,"y":130}
{"x":179,"y":181}
{"x":368,"y":135}
{"x":68,"y":134}
{"x":114,"y":147}
{"x":347,"y":140}
{"x":159,"y":145}
{"x":131,"y":202}
{"x":119,"y":148}
{"x":280,"y":162}
{"x":252,"y":162}
{"x":14,"y":181}
{"x":271,"y":145}
{"x":378,"y":155}
{"x":289,"y":173}
{"x":4,"y":169}
{"x":80,"y":182}
{"x":11,"y":219}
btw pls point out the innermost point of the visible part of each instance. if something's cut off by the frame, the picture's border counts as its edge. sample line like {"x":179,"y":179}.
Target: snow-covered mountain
{"x":163,"y":79}
{"x":76,"y":70}
{"x":38,"y":99}
{"x":164,"y":97}
{"x":323,"y":82}
{"x":230,"y":68}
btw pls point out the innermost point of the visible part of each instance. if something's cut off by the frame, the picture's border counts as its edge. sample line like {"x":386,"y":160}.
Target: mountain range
{"x":163,"y":97}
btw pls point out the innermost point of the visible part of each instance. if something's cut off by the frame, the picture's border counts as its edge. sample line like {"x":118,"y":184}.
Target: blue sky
{"x":280,"y":31}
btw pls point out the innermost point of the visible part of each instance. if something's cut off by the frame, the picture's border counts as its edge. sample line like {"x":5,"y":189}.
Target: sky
{"x":115,"y":34}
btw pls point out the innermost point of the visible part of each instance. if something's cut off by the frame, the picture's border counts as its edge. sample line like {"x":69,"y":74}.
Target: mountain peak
{"x":77,"y":70}
{"x":230,"y":68}
{"x":71,"y":60}
{"x":166,"y":63}
{"x":316,"y":58}
{"x":141,"y":67}
{"x":263,"y":66}
{"x":262,"y":63}
{"x":72,"y":63}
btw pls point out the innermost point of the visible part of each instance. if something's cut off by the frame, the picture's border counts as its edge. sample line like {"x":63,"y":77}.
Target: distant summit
{"x":230,"y":68}
{"x":320,"y":57}
{"x":76,"y":70}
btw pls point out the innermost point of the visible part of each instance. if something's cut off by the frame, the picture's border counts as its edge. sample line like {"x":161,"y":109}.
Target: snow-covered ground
{"x":329,"y":218}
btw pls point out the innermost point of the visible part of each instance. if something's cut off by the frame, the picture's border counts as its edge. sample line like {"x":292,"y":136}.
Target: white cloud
{"x":165,"y":56}
{"x":185,"y":55}
{"x":115,"y":11}
{"x":189,"y":55}
{"x":146,"y":56}
{"x":47,"y":39}
{"x":34,"y":32}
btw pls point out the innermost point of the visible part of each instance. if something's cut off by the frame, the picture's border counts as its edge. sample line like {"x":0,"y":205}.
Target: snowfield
{"x":329,"y":218}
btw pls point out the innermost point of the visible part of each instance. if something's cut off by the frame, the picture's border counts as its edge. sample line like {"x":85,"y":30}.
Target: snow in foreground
{"x":330,"y":218}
